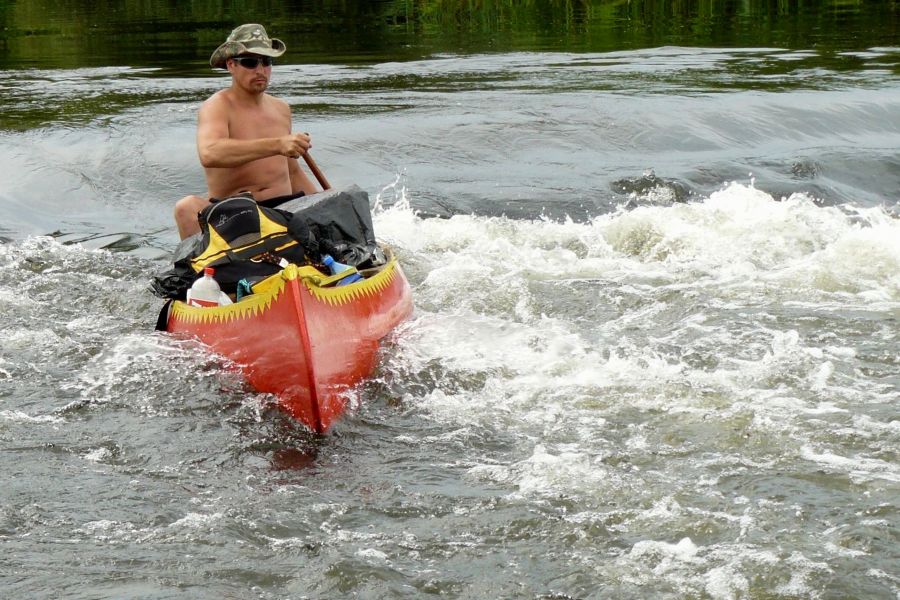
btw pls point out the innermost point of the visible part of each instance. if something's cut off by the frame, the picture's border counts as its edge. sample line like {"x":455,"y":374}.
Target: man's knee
{"x":189,"y":206}
{"x":186,"y":211}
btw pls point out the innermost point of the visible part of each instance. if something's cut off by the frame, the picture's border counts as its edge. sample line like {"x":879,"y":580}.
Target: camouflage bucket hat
{"x":246,"y":39}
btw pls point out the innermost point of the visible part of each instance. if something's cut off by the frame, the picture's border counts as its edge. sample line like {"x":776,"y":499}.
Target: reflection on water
{"x":181,"y":36}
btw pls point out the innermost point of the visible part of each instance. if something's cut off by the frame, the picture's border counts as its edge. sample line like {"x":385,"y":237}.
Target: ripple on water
{"x":668,"y":400}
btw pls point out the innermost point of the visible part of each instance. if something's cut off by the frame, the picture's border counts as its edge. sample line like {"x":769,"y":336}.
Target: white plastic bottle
{"x":206,"y":291}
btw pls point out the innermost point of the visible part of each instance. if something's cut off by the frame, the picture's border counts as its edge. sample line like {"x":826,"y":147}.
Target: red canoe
{"x":301,"y":338}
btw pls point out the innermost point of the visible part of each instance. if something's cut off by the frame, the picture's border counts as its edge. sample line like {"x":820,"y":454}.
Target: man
{"x":244,"y":135}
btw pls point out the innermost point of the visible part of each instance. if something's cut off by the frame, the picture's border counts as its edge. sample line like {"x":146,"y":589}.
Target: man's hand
{"x":294,"y":145}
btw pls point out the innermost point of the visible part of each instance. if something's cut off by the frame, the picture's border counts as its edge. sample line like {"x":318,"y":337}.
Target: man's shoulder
{"x":222,"y":105}
{"x":215,"y":103}
{"x":225,"y":97}
{"x":220,"y":97}
{"x":275,"y":101}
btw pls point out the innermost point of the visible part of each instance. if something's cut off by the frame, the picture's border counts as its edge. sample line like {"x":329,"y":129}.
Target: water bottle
{"x":206,"y":291}
{"x":335,"y":267}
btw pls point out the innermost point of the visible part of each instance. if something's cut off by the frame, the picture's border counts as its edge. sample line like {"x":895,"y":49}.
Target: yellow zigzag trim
{"x":249,"y":306}
{"x":337,"y":295}
{"x":268,"y":290}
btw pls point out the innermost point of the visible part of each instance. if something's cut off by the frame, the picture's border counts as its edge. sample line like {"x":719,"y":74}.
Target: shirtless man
{"x":244,"y":136}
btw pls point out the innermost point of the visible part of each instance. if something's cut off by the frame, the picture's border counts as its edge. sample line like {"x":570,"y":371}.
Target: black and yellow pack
{"x":244,"y":240}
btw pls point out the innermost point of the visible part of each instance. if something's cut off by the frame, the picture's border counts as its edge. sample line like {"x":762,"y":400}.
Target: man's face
{"x":251,"y":71}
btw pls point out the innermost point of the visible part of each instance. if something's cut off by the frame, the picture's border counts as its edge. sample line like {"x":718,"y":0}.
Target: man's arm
{"x":217,"y":149}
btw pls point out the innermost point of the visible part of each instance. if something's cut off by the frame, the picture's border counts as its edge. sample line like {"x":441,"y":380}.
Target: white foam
{"x":30,"y":338}
{"x":286,"y":543}
{"x":196,"y":521}
{"x":17,"y":416}
{"x":726,"y":583}
{"x":372,"y":554}
{"x":741,"y":237}
{"x":836,"y":550}
{"x":665,"y":553}
{"x":682,"y":341}
{"x":128,"y":363}
{"x":98,"y":455}
{"x":546,"y":473}
{"x":860,"y":468}
{"x":109,"y":531}
{"x":880,"y":574}
{"x":870,"y":426}
{"x":9,"y":298}
{"x":801,"y":569}
{"x":825,"y":408}
{"x":105,"y":527}
{"x":539,"y":371}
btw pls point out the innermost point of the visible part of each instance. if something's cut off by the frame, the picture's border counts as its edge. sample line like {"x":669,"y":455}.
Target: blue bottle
{"x":335,"y":267}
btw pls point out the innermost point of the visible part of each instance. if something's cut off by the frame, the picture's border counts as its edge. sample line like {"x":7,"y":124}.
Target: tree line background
{"x":182,"y":34}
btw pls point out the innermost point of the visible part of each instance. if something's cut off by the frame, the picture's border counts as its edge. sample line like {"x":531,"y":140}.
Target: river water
{"x":654,"y":352}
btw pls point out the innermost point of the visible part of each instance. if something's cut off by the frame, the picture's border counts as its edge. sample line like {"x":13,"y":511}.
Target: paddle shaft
{"x":320,"y":176}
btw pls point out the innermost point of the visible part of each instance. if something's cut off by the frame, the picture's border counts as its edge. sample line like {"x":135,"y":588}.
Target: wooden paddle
{"x":320,"y":176}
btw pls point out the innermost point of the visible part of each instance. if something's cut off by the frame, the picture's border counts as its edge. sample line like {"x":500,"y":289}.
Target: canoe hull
{"x":303,"y":341}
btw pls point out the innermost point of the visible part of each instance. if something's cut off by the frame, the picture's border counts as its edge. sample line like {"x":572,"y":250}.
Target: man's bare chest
{"x":257,"y":124}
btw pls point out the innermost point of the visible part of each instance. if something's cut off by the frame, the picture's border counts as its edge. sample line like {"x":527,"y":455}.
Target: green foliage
{"x":182,"y":34}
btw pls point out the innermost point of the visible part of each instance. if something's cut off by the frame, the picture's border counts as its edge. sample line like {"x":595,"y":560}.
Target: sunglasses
{"x":251,"y":62}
